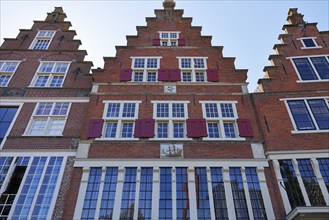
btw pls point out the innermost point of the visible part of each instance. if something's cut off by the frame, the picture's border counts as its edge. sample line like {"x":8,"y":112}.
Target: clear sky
{"x":247,"y":29}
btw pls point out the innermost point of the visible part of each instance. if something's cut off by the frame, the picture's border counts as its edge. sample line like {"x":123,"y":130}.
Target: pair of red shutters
{"x":168,"y":75}
{"x":144,"y":128}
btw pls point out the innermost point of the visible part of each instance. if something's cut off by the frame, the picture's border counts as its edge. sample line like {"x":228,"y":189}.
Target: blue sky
{"x":247,"y":29}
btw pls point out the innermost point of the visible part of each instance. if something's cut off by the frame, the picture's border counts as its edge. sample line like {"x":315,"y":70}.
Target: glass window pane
{"x":305,"y":69}
{"x":110,"y":131}
{"x":301,"y":115}
{"x":211,"y":110}
{"x":129,"y":110}
{"x":321,"y":112}
{"x":162,"y":110}
{"x":227,"y":110}
{"x":128,"y":194}
{"x":218,"y":192}
{"x":322,"y":66}
{"x":113,"y":110}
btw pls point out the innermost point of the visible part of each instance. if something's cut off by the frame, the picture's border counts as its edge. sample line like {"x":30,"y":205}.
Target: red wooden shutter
{"x":175,"y":75}
{"x":196,"y":127}
{"x":212,"y":75}
{"x":163,"y":75}
{"x":245,"y":128}
{"x":144,"y":128}
{"x":95,"y":128}
{"x":156,"y":42}
{"x":181,"y":42}
{"x":125,"y":75}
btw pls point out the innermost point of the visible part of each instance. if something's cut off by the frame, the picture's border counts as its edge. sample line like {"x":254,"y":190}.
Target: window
{"x":221,"y":119}
{"x":145,"y":69}
{"x":120,"y":119}
{"x":48,"y":119}
{"x":169,"y":38}
{"x":111,"y":176}
{"x":160,"y":191}
{"x":42,"y":40}
{"x":36,"y":179}
{"x":309,"y":114}
{"x":309,"y":42}
{"x":50,"y":74}
{"x":7,"y":115}
{"x":193,"y":69}
{"x":170,"y":119}
{"x":165,"y":206}
{"x":324,"y":169}
{"x":7,"y":69}
{"x":312,"y":68}
{"x":202,"y":194}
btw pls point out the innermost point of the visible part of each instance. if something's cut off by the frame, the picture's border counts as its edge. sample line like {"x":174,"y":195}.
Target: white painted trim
{"x":145,"y":57}
{"x":305,"y":98}
{"x":118,"y":193}
{"x":211,"y":195}
{"x":265,"y":194}
{"x":173,"y":192}
{"x":37,"y":153}
{"x":84,"y":162}
{"x":36,"y":38}
{"x":82,"y":193}
{"x":228,"y":193}
{"x":301,"y":210}
{"x":192,"y":191}
{"x":298,"y":154}
{"x":155,"y":193}
{"x":246,"y":192}
{"x":310,"y":131}
{"x":312,"y":81}
{"x":306,"y":56}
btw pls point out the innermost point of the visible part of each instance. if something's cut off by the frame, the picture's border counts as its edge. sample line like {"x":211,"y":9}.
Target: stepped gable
{"x":190,"y":43}
{"x":282,"y":74}
{"x":50,"y":40}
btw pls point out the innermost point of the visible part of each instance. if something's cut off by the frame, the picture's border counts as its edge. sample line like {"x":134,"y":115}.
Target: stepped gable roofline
{"x":296,"y":19}
{"x":57,"y":15}
{"x":168,"y":4}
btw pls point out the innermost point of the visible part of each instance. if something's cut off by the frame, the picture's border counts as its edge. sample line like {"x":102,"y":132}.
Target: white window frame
{"x":50,"y":74}
{"x":8,"y":73}
{"x":220,"y":120}
{"x":316,"y":130}
{"x":47,"y":154}
{"x":193,"y":70}
{"x":119,"y":120}
{"x":170,"y":120}
{"x":314,"y":41}
{"x":260,"y":165}
{"x":293,"y":156}
{"x":144,"y":70}
{"x":300,"y":80}
{"x":49,"y":35}
{"x":49,"y":118}
{"x":171,"y":41}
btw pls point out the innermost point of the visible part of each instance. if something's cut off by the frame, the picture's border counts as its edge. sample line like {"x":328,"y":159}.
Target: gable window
{"x":48,"y":119}
{"x":309,"y":114}
{"x":50,"y":74}
{"x":42,"y":40}
{"x":145,"y":69}
{"x":169,"y":38}
{"x":7,"y":69}
{"x":120,"y":119}
{"x":309,"y":42}
{"x":193,"y":69}
{"x":221,"y":119}
{"x":312,"y":68}
{"x":170,"y":117}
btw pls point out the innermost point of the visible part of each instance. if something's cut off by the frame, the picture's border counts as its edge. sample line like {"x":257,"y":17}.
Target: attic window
{"x":168,"y":38}
{"x":42,"y":40}
{"x":309,"y":42}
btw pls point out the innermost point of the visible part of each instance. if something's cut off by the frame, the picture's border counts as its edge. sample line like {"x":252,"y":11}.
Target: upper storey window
{"x":193,"y":69}
{"x":312,"y":68}
{"x":309,"y":42}
{"x":145,"y":69}
{"x":169,"y":38}
{"x":50,"y":74}
{"x":42,"y":40}
{"x":7,"y":69}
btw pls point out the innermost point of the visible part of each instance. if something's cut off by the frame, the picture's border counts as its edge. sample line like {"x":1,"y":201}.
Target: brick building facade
{"x":166,"y":130}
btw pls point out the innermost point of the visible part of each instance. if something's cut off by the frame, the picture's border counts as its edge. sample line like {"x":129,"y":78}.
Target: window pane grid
{"x":211,"y":110}
{"x":305,"y":69}
{"x":321,"y":113}
{"x":178,"y":129}
{"x":5,"y":163}
{"x":165,"y":206}
{"x":110,"y":130}
{"x":162,"y":130}
{"x":227,"y":110}
{"x":108,"y":196}
{"x":187,"y":77}
{"x":291,"y":183}
{"x":239,"y":198}
{"x":152,"y":63}
{"x":128,"y":110}
{"x":199,"y":63}
{"x":162,"y":110}
{"x":182,"y":198}
{"x":186,"y":63}
{"x":213,"y":130}
{"x":138,"y":77}
{"x":218,"y":192}
{"x":301,"y":115}
{"x":178,"y":110}
{"x":139,"y":63}
{"x":202,"y":195}
{"x":113,"y":110}
{"x":324,"y":169}
{"x":151,"y":77}
{"x":145,"y":194}
{"x":322,"y":66}
{"x":128,"y":194}
{"x":90,"y":201}
{"x":229,"y":129}
{"x":255,"y":193}
{"x":311,"y":183}
{"x":127,"y":129}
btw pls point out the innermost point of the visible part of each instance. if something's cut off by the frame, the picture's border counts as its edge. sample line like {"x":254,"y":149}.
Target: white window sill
{"x":170,"y":139}
{"x":224,"y":139}
{"x":312,"y":81}
{"x":305,"y":48}
{"x":41,"y":135}
{"x":309,"y":131}
{"x":116,"y":139}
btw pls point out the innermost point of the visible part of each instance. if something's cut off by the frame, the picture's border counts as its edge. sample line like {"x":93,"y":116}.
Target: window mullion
{"x":118,"y":193}
{"x":300,"y":182}
{"x":118,"y":132}
{"x":228,"y":192}
{"x":211,"y":195}
{"x":155,"y":193}
{"x":318,"y":175}
{"x":173,"y":192}
{"x":246,"y":191}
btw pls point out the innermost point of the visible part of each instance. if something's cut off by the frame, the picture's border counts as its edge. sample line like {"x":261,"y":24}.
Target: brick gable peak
{"x":294,"y":17}
{"x":56,"y":16}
